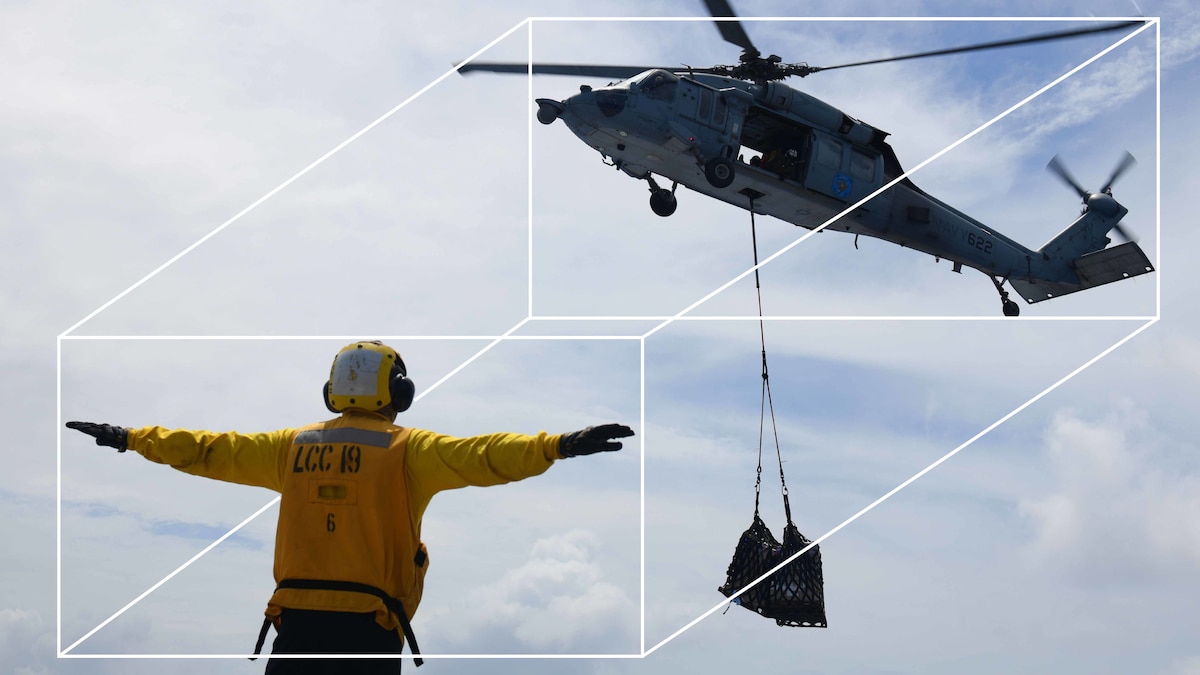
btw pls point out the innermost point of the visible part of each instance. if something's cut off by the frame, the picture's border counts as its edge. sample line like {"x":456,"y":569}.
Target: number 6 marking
{"x":329,"y":524}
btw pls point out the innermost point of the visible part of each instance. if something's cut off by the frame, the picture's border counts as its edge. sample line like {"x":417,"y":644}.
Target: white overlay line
{"x":664,"y":321}
{"x":901,"y":177}
{"x":395,"y":338}
{"x":170,"y":576}
{"x":908,"y":482}
{"x":352,"y":656}
{"x":288,"y":182}
{"x":213,"y":545}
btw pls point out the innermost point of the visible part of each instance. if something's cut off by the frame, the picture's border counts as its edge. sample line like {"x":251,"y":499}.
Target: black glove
{"x":105,"y":434}
{"x":592,"y":440}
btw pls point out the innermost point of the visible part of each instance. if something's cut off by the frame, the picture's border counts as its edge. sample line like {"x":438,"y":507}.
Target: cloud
{"x":1180,"y":33}
{"x":204,"y":532}
{"x":1118,"y":77}
{"x":25,"y":642}
{"x":558,"y":601}
{"x":202,"y":147}
{"x":1184,"y":666}
{"x":1124,"y":507}
{"x":90,"y":514}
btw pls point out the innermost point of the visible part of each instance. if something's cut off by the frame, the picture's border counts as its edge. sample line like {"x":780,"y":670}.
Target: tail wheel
{"x":719,"y":172}
{"x":1010,"y":308}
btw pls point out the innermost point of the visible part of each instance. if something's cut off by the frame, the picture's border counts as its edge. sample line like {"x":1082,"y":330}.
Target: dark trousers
{"x":314,"y":632}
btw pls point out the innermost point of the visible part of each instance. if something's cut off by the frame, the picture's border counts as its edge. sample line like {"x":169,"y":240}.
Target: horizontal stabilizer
{"x":1094,"y":269}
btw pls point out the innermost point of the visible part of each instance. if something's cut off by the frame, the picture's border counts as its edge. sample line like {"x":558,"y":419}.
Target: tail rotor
{"x":1126,"y":162}
{"x":1059,"y":169}
{"x":1104,"y":196}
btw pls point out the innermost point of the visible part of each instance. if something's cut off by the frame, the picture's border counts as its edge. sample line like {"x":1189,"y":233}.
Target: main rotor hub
{"x":759,"y":70}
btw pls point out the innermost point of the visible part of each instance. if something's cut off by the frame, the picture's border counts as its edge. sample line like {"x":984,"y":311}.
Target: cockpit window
{"x":611,"y":101}
{"x":627,"y":83}
{"x":660,"y":85}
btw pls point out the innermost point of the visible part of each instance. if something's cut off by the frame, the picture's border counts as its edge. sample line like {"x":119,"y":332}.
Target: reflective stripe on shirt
{"x":378,"y":439}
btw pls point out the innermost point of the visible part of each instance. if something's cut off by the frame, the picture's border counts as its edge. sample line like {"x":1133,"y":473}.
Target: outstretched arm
{"x":248,"y":459}
{"x":437,"y":462}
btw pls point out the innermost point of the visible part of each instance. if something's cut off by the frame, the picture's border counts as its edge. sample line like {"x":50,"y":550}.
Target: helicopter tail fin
{"x":1088,"y":234}
{"x":1091,"y":269}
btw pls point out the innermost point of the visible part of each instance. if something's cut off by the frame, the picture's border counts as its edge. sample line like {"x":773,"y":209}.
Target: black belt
{"x":393,"y":604}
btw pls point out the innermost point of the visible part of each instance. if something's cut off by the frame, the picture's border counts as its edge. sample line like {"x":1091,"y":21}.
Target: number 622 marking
{"x":981,"y":243}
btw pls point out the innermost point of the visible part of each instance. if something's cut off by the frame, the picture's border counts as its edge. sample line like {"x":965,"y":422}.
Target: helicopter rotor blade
{"x":732,"y":31}
{"x":1124,"y":165}
{"x":579,"y":70}
{"x":1127,"y":161}
{"x":1057,"y":168}
{"x":1044,"y":37}
{"x":1124,"y":233}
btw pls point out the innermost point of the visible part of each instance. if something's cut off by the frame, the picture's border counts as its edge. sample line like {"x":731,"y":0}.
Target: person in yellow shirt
{"x":349,"y":561}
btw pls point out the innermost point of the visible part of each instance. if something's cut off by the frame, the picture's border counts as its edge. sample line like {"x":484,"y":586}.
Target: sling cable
{"x":794,"y":595}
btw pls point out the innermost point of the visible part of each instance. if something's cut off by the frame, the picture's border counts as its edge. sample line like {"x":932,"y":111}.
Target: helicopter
{"x":809,"y":161}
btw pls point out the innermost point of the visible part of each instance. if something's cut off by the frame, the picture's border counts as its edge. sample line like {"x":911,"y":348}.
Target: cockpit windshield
{"x":627,"y":83}
{"x":658,"y":84}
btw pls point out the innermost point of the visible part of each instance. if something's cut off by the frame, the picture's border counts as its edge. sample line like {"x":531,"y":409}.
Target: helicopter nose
{"x":596,"y":106}
{"x":549,"y":110}
{"x":579,"y":112}
{"x":590,"y":111}
{"x":583,"y":102}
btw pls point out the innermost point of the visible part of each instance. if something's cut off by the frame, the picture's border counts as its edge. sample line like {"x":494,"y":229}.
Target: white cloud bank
{"x":25,"y":642}
{"x":558,"y":601}
{"x":1124,"y":505}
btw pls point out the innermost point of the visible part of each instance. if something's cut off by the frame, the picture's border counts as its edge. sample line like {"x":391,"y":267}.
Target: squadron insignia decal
{"x":842,"y":185}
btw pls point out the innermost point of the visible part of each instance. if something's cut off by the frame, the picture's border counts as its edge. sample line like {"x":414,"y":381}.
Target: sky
{"x":1060,"y":536}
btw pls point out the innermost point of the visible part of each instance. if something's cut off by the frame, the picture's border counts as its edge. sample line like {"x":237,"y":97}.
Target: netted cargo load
{"x":794,"y":595}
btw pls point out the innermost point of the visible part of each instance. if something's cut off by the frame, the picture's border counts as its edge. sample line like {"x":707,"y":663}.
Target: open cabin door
{"x":821,"y":161}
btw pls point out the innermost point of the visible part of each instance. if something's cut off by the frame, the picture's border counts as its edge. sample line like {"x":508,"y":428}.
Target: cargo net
{"x":793,"y":596}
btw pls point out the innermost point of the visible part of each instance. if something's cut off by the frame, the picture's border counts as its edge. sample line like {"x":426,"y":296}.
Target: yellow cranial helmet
{"x":368,"y":376}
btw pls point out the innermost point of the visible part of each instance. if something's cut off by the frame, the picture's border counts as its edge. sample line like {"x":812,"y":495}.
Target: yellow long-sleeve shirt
{"x":354,"y":490}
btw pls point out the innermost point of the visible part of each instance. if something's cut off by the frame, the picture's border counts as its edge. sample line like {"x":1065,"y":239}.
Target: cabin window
{"x":706,"y":99}
{"x":829,"y":152}
{"x":719,"y":113}
{"x":862,"y":165}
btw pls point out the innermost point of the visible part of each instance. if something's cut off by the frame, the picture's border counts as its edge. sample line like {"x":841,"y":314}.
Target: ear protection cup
{"x":401,"y":389}
{"x":328,"y":403}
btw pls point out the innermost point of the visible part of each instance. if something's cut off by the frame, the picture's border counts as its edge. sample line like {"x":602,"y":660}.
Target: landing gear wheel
{"x":719,"y":172}
{"x":662,"y":202}
{"x":1010,"y":308}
